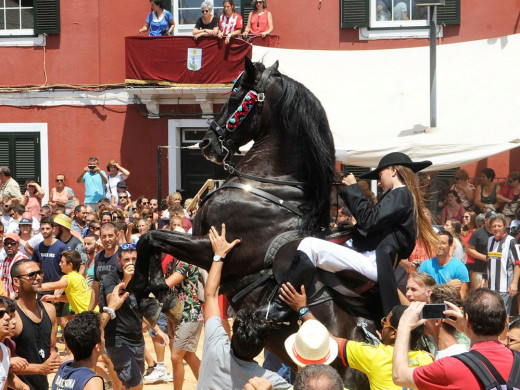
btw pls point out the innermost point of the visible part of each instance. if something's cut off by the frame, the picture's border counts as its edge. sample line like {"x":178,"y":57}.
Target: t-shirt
{"x":103,"y":265}
{"x":503,"y":256}
{"x":94,"y":186}
{"x":69,"y":377}
{"x":376,"y":362}
{"x":187,"y":290}
{"x":157,"y":24}
{"x":220,"y":369}
{"x":77,"y":292}
{"x":200,"y":25}
{"x":49,"y":257}
{"x":75,"y":244}
{"x":455,"y":269}
{"x":126,"y":328}
{"x":5,"y":273}
{"x":450,"y":373}
{"x":479,"y":239}
{"x":111,"y":186}
{"x":452,"y":350}
{"x":229,"y":24}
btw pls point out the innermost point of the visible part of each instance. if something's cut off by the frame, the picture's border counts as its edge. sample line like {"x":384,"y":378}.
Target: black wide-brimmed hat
{"x":396,"y":158}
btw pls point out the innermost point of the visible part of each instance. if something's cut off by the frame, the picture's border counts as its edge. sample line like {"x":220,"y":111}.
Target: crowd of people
{"x":62,"y":262}
{"x":230,"y":24}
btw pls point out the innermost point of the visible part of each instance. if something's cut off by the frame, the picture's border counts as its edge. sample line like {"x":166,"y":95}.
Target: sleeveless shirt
{"x":33,"y":344}
{"x":4,"y":366}
{"x":69,"y":377}
{"x":491,"y":198}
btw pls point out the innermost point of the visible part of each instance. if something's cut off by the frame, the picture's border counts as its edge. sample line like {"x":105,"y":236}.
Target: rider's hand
{"x":292,"y":298}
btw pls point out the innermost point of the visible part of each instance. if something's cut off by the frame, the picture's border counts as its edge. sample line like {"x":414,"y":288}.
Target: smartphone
{"x":434,"y":311}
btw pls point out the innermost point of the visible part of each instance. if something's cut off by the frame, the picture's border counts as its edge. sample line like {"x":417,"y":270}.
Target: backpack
{"x":488,"y":375}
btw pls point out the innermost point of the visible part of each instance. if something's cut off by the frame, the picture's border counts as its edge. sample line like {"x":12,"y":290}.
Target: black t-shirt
{"x":479,"y":239}
{"x":126,"y":328}
{"x":200,"y":25}
{"x":103,"y":265}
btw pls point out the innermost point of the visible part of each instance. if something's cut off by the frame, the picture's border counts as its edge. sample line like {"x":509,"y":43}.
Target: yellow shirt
{"x":376,"y":362}
{"x":77,"y":292}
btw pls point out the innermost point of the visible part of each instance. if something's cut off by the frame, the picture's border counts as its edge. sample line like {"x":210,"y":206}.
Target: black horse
{"x":282,"y":184}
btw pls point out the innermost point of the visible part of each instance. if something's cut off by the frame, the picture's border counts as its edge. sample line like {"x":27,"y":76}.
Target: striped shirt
{"x":502,"y":257}
{"x":5,"y":273}
{"x":229,"y":24}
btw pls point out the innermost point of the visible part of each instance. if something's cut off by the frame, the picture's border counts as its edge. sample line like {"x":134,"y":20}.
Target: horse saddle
{"x":349,"y":289}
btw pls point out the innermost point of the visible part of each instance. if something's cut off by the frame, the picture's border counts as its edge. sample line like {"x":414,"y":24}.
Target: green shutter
{"x":167,"y":4}
{"x":354,"y":13}
{"x":5,"y":155}
{"x":46,"y":16}
{"x":449,"y":13}
{"x":246,"y":9}
{"x":26,"y":157}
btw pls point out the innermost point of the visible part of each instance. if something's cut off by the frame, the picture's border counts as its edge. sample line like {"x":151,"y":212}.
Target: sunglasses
{"x":10,"y":243}
{"x":123,"y":197}
{"x":386,"y":324}
{"x":205,"y":11}
{"x":60,"y":180}
{"x":4,"y":312}
{"x":31,"y":275}
{"x":127,"y":246}
{"x":144,"y":202}
{"x":95,"y":228}
{"x":466,"y":217}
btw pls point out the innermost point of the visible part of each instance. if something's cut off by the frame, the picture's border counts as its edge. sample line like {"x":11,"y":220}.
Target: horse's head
{"x":240,"y":119}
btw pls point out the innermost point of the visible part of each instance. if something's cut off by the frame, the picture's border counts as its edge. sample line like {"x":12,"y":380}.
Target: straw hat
{"x":311,"y":345}
{"x":63,"y":220}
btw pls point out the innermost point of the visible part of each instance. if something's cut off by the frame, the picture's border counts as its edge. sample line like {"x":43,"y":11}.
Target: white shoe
{"x":158,"y":374}
{"x":168,"y":377}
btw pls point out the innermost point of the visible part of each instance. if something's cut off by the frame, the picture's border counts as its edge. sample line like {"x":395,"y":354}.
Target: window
{"x":397,"y":13}
{"x":29,"y":17}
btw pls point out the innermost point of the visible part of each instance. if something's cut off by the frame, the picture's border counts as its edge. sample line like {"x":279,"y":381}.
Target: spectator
{"x":12,"y":250}
{"x":401,"y":10}
{"x":106,"y":259}
{"x":443,"y":333}
{"x":122,"y":187}
{"x":60,"y":194}
{"x":45,"y":211}
{"x":91,"y":248}
{"x":469,"y":225}
{"x":419,"y":287}
{"x":176,"y":221}
{"x":465,"y":190}
{"x":260,"y":20}
{"x":141,"y":203}
{"x":503,"y":261}
{"x":105,"y":216}
{"x":453,"y":208}
{"x":511,"y":192}
{"x":2,"y":249}
{"x":8,"y":220}
{"x":62,"y":232}
{"x":84,"y":337}
{"x":513,"y":336}
{"x":25,"y":227}
{"x":94,"y":227}
{"x":77,"y":292}
{"x":318,"y":377}
{"x":32,"y":199}
{"x":477,"y":248}
{"x":9,"y":187}
{"x":159,"y":21}
{"x":486,"y":192}
{"x":207,"y":24}
{"x":116,"y":173}
{"x":35,"y":332}
{"x":79,"y":223}
{"x":483,"y":321}
{"x":229,"y":363}
{"x":446,"y":269}
{"x":95,"y":180}
{"x":230,"y":23}
{"x":173,"y":199}
{"x":123,"y":337}
{"x":458,"y":249}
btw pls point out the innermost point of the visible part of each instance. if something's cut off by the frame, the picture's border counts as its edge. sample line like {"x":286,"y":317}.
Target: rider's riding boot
{"x":301,"y":272}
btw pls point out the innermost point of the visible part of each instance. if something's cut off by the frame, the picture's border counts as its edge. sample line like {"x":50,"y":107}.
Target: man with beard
{"x":62,"y":231}
{"x":91,"y":248}
{"x":12,"y":249}
{"x":106,"y":260}
{"x":35,"y":332}
{"x":79,"y":224}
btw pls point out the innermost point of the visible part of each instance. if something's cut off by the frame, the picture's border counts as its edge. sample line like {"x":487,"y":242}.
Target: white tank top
{"x":4,"y":366}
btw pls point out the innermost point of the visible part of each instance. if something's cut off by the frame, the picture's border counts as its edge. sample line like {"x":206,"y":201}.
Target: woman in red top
{"x":469,"y":225}
{"x":260,"y":21}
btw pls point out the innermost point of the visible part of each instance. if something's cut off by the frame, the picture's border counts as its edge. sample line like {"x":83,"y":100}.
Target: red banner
{"x":165,"y":59}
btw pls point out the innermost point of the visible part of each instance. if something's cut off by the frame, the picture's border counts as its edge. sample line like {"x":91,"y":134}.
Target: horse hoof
{"x":172,"y":307}
{"x":150,"y":309}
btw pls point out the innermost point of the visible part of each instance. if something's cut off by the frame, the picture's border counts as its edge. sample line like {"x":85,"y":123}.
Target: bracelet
{"x":110,"y":312}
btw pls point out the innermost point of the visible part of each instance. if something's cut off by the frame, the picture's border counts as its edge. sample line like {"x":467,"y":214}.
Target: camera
{"x":164,"y":31}
{"x":91,"y":167}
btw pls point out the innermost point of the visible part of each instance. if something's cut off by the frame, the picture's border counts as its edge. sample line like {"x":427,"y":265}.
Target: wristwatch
{"x":304,"y":311}
{"x":217,"y":258}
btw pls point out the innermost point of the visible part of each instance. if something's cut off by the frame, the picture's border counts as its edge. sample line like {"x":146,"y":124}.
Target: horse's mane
{"x":305,"y":121}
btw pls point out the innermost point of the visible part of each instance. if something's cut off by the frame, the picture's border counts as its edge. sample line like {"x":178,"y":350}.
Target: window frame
{"x":394,"y":24}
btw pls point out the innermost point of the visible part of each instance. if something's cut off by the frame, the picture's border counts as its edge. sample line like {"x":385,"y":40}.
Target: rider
{"x":384,"y":233}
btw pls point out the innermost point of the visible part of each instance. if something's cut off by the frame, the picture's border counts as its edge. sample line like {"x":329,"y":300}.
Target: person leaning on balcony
{"x":159,"y":21}
{"x":230,"y":23}
{"x":260,"y":21}
{"x":207,"y":24}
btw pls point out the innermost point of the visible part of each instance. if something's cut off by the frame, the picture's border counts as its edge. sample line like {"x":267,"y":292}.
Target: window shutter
{"x":354,"y":13}
{"x":46,"y":16}
{"x":246,"y":9}
{"x":26,"y":158}
{"x":167,"y":4}
{"x":5,"y":154}
{"x":449,"y":13}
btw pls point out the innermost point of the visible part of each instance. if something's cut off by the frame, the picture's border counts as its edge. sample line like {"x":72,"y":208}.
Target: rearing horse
{"x":283,"y":183}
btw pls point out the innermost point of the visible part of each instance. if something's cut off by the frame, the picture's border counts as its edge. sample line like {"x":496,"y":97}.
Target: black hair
{"x":513,"y":325}
{"x":19,"y":209}
{"x":72,"y":257}
{"x":253,"y":3}
{"x":486,"y":312}
{"x":82,"y":333}
{"x":77,"y":209}
{"x":158,"y":3}
{"x":489,"y":173}
{"x":8,"y":304}
{"x":416,"y":334}
{"x":120,"y":250}
{"x":250,"y":330}
{"x":47,"y":221}
{"x":95,"y":236}
{"x":15,"y":268}
{"x":312,"y":372}
{"x":447,"y":234}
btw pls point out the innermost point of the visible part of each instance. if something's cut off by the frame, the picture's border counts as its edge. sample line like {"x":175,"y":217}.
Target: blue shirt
{"x":455,"y":269}
{"x":69,"y":377}
{"x":49,"y":258}
{"x":94,"y":186}
{"x":156,"y":26}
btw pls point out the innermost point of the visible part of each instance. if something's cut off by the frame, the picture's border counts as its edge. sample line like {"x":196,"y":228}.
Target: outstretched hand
{"x":292,"y":298}
{"x":218,"y":241}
